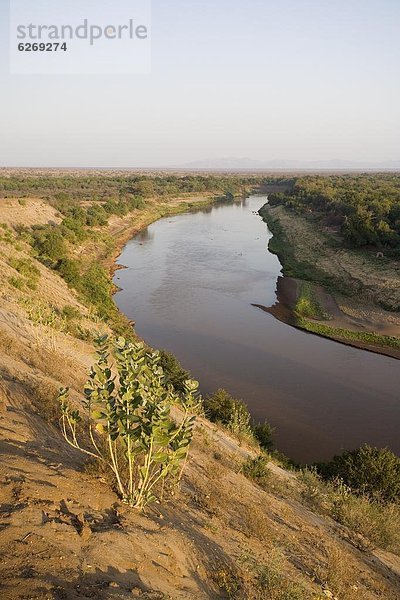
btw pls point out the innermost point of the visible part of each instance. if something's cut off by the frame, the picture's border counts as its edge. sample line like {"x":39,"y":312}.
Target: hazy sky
{"x":293,"y":79}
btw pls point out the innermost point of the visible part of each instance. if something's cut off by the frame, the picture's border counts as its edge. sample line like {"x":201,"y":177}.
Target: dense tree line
{"x":364,"y":208}
{"x":97,"y":187}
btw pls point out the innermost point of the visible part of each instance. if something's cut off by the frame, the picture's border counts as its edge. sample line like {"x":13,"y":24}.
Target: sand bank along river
{"x":189,"y":285}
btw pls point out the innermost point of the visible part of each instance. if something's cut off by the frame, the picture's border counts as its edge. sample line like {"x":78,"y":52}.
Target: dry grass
{"x":272,"y":578}
{"x":255,"y":523}
{"x":371,"y":524}
{"x":335,"y":572}
{"x":43,"y":395}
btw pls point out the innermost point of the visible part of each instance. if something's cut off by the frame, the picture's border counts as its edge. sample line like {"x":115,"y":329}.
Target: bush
{"x":73,"y":228}
{"x":49,"y":243}
{"x":129,"y":427}
{"x":30,"y":273}
{"x":70,"y":313}
{"x":175,"y":373}
{"x":257,"y":469}
{"x":16,"y":282}
{"x":218,"y":407}
{"x":374,"y":472}
{"x":222,"y":408}
{"x":378,"y":524}
{"x":239,"y":422}
{"x":25,"y":267}
{"x":96,"y":288}
{"x":96,"y":216}
{"x":370,"y":523}
{"x":69,"y":271}
{"x":263,"y":433}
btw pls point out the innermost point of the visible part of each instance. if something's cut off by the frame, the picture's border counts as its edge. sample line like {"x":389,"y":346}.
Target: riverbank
{"x":190,"y":284}
{"x":112,"y":238}
{"x":106,"y":242}
{"x":66,"y":534}
{"x":330,"y":291}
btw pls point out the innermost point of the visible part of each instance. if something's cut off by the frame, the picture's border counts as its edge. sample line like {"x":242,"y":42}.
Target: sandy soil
{"x":32,"y":211}
{"x":288,"y":289}
{"x":374,"y":280}
{"x":370,"y":281}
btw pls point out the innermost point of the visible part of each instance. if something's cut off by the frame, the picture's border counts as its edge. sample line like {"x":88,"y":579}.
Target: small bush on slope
{"x":263,"y":433}
{"x":378,"y":523}
{"x":171,"y":367}
{"x":257,"y":469}
{"x":374,"y":472}
{"x":222,"y":408}
{"x":132,"y":412}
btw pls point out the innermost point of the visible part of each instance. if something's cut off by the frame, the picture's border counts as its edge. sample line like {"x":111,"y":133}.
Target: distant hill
{"x":233,"y":163}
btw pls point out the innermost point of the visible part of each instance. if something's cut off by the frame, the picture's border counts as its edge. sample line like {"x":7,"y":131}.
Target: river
{"x":189,"y":284}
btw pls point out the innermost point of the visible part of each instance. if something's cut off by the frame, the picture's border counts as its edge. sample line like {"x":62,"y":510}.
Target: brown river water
{"x":189,"y":284}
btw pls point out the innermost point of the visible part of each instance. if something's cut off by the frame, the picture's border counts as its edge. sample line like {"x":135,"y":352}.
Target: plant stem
{"x":115,"y":467}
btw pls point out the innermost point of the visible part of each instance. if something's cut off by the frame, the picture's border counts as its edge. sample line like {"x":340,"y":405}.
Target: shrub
{"x":239,"y":422}
{"x":49,"y":243}
{"x":263,"y":433}
{"x":367,"y":470}
{"x":69,"y":271}
{"x":43,"y":395}
{"x":132,"y":414}
{"x":70,"y":313}
{"x":254,"y":523}
{"x":370,"y":522}
{"x":313,"y":489}
{"x":378,"y":524}
{"x":96,"y":288}
{"x":257,"y":469}
{"x":16,"y":282}
{"x":24,"y":266}
{"x":175,"y":373}
{"x":32,"y":284}
{"x":221,"y":407}
{"x":218,"y":407}
{"x":271,"y":577}
{"x":73,"y":229}
{"x":96,"y":215}
{"x":29,"y":271}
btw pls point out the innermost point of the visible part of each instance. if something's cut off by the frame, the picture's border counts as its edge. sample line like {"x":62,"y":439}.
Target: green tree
{"x":69,"y":271}
{"x":50,"y":243}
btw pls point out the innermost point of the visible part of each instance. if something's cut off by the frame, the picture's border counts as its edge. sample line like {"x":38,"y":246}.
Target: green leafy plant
{"x":257,"y":469}
{"x":374,"y":472}
{"x":176,"y":374}
{"x":263,"y":432}
{"x":16,"y":282}
{"x":221,"y":407}
{"x":133,"y":410}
